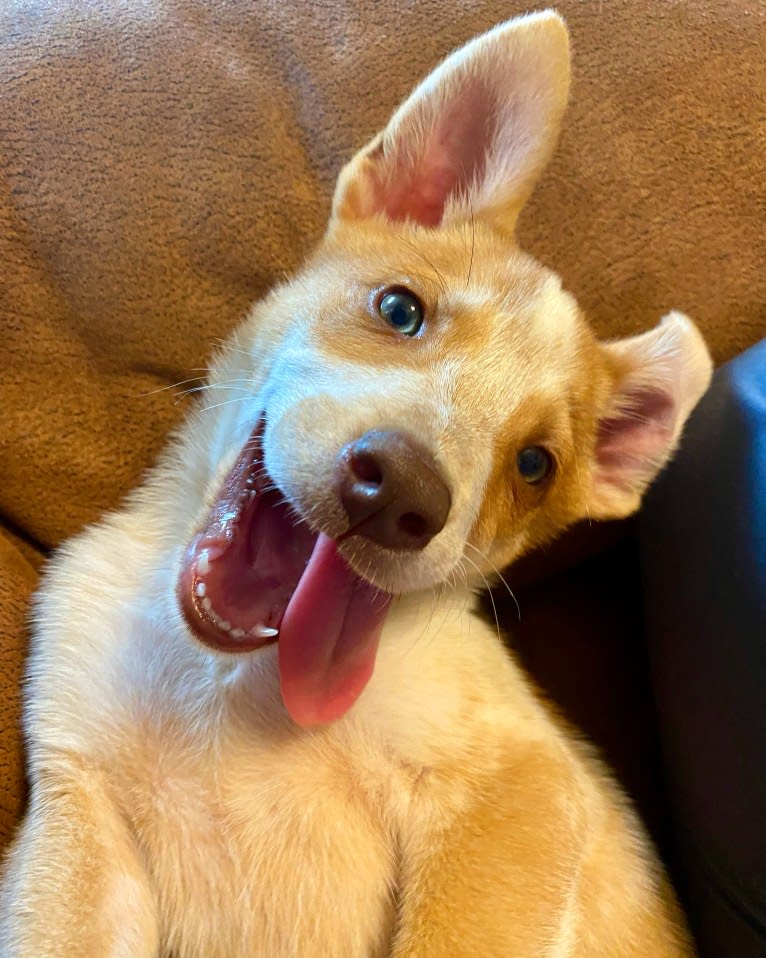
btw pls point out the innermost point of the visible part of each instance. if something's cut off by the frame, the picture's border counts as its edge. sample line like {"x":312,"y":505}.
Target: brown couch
{"x":162,"y":164}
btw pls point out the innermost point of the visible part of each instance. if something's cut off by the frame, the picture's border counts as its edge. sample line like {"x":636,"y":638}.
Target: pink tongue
{"x":328,"y":638}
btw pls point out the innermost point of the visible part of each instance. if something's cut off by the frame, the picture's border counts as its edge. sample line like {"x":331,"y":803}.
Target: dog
{"x":262,"y":715}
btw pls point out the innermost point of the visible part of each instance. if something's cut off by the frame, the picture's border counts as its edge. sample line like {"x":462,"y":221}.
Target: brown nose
{"x":392,"y":491}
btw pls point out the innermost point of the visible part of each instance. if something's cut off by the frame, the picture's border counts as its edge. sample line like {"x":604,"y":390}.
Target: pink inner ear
{"x":420,"y":175}
{"x":631,"y":444}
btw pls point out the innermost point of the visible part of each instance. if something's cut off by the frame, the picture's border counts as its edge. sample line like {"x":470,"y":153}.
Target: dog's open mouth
{"x":255,"y":574}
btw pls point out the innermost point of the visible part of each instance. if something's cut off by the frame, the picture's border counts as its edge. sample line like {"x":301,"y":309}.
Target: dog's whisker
{"x":161,"y":389}
{"x":500,"y":576}
{"x":466,"y":558}
{"x":226,"y":402}
{"x":473,"y":247}
{"x":202,"y":387}
{"x":210,"y":387}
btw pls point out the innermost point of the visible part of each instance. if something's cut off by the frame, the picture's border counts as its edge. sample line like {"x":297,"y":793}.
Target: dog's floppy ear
{"x":659,"y":377}
{"x":473,"y":137}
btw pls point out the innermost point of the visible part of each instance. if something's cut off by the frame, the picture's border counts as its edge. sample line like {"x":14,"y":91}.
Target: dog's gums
{"x":256,"y":571}
{"x":240,"y":570}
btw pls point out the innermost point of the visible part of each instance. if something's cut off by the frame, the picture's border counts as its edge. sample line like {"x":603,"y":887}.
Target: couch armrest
{"x":704,"y":564}
{"x":18,"y":577}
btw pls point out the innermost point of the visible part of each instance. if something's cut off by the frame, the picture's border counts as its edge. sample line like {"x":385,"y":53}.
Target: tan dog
{"x":239,"y":743}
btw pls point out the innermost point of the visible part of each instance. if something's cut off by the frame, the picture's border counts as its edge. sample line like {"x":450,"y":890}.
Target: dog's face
{"x":427,"y":401}
{"x":498,"y":385}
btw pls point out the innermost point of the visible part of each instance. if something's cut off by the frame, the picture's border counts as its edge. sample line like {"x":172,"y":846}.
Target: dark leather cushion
{"x":579,"y":634}
{"x":704,"y":563}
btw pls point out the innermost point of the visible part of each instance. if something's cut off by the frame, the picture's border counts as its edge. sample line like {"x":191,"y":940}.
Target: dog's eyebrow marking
{"x":477,"y":297}
{"x":555,"y":317}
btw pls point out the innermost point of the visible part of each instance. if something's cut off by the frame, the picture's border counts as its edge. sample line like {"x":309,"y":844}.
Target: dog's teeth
{"x":200,"y":589}
{"x":207,"y":605}
{"x":237,"y":633}
{"x":225,"y":625}
{"x":203,"y":563}
{"x":264,"y":632}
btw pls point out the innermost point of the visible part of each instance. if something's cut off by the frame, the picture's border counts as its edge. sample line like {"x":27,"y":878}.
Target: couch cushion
{"x":162,"y":164}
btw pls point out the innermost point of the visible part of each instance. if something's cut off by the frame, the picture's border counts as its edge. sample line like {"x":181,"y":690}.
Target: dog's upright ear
{"x":473,"y":137}
{"x":657,"y":380}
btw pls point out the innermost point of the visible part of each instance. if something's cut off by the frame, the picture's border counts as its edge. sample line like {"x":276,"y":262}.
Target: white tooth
{"x":207,"y":605}
{"x":237,"y":633}
{"x":225,"y":625}
{"x":200,"y":589}
{"x":203,"y":563}
{"x":265,"y":633}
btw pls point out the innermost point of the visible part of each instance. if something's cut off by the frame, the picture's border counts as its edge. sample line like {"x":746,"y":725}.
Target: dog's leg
{"x":73,"y":885}
{"x":497,"y":880}
{"x":525,"y":870}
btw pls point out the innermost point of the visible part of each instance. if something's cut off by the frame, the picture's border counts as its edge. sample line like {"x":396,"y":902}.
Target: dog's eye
{"x":401,"y":309}
{"x":534,"y":463}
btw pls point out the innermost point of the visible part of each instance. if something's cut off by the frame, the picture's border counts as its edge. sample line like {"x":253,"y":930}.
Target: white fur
{"x":237,"y":812}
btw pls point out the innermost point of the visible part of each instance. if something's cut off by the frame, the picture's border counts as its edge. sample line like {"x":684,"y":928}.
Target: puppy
{"x":262,"y":717}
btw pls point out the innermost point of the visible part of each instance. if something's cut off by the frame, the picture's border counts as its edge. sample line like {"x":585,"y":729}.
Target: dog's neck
{"x":437,"y":666}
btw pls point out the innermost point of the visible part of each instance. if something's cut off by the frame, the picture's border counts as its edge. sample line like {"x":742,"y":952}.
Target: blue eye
{"x":401,"y":309}
{"x":534,"y":463}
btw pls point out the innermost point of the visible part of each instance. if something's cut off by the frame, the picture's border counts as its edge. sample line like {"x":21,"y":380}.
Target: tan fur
{"x":176,"y":808}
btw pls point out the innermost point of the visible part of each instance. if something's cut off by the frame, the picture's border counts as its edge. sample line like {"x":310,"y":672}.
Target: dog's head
{"x":424,"y":401}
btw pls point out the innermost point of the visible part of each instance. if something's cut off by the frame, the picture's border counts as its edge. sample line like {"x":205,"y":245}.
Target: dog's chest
{"x":270,"y":845}
{"x":261,"y":838}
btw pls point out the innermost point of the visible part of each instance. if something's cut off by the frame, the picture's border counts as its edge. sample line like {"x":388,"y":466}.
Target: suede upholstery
{"x":161,"y":165}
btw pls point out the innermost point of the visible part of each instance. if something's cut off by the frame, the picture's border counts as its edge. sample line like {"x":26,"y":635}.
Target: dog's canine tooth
{"x":203,"y":563}
{"x":263,"y":632}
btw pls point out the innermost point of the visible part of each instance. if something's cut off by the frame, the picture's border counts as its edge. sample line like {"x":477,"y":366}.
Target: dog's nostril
{"x":366,"y":468}
{"x":413,"y":525}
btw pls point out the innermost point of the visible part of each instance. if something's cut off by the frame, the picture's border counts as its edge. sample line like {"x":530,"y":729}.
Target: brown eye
{"x":401,"y":309}
{"x":534,"y":464}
